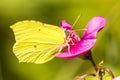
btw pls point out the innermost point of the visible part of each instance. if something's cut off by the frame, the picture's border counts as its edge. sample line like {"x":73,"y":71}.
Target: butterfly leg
{"x":68,"y":49}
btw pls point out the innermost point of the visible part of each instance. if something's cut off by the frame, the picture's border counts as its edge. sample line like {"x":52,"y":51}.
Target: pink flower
{"x":76,"y":46}
{"x":117,"y":78}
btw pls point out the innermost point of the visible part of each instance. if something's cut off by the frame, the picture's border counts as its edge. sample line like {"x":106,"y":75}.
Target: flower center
{"x":72,"y":39}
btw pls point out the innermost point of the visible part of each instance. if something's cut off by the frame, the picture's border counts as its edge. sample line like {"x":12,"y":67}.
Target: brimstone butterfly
{"x":37,"y":42}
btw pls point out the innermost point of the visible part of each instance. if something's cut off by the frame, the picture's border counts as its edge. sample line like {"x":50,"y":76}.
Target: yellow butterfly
{"x":36,"y":42}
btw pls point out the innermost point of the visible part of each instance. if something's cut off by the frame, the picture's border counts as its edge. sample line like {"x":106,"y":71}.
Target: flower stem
{"x":81,"y":77}
{"x":100,"y":70}
{"x":109,"y":72}
{"x":90,"y":58}
{"x":101,"y":76}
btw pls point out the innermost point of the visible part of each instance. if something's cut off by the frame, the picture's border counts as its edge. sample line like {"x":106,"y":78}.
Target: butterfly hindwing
{"x":34,"y":52}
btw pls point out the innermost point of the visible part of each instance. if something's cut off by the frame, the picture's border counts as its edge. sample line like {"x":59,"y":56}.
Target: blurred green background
{"x":52,"y":12}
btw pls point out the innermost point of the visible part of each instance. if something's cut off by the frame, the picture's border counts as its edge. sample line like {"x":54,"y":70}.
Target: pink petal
{"x":65,"y":25}
{"x":94,"y":26}
{"x":81,"y":48}
{"x":117,"y":78}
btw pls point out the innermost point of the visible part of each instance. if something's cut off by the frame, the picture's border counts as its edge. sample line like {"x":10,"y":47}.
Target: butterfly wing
{"x":36,"y":42}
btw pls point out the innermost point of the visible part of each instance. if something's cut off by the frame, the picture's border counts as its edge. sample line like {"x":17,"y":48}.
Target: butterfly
{"x":37,"y":42}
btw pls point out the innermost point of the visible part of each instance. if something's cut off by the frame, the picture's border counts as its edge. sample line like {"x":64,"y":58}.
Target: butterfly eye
{"x":67,"y":33}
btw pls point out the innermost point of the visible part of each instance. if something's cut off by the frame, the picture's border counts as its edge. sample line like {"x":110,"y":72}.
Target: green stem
{"x":109,"y":72}
{"x":81,"y":77}
{"x":90,"y":58}
{"x":101,"y":75}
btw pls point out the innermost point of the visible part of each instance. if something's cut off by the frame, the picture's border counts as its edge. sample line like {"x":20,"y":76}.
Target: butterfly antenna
{"x":76,"y":20}
{"x":80,"y":29}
